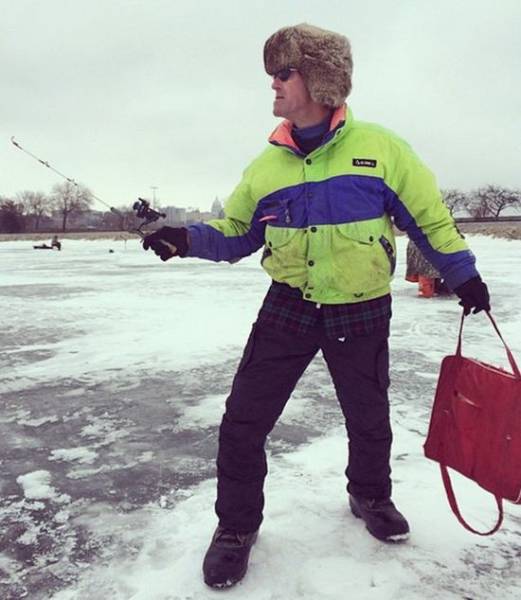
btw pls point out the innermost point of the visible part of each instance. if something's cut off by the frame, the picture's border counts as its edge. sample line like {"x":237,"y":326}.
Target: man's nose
{"x":275,"y":84}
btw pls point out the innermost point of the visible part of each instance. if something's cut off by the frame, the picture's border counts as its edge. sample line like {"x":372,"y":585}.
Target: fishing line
{"x":141,"y":206}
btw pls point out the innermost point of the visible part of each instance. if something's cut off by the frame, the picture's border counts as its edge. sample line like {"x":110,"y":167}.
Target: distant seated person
{"x":54,"y":244}
{"x":421,"y":271}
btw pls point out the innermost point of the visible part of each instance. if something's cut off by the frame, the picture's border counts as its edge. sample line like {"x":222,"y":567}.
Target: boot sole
{"x":228,"y":583}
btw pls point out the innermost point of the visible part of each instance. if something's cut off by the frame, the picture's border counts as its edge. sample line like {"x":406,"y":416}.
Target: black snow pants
{"x":272,"y":363}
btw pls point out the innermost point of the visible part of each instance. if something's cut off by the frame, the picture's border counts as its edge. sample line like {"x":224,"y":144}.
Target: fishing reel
{"x":147,"y":213}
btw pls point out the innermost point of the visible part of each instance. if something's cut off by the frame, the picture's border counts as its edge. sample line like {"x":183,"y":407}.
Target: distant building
{"x":194,"y":215}
{"x":217,"y":209}
{"x":174,"y":215}
{"x":184,"y":216}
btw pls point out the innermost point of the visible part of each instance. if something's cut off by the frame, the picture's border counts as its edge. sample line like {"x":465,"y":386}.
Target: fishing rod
{"x":141,"y":206}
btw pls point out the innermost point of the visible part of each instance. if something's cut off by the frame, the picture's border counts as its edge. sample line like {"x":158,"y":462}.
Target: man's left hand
{"x":473,"y":295}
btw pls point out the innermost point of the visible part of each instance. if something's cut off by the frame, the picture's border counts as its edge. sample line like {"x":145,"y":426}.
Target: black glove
{"x":474,"y":295}
{"x":167,"y":242}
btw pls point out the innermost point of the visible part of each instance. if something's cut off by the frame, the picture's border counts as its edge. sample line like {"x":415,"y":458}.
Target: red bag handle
{"x":455,"y":509}
{"x":511,"y":358}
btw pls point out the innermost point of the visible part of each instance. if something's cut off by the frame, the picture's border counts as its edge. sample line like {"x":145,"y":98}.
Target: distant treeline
{"x":69,"y":206}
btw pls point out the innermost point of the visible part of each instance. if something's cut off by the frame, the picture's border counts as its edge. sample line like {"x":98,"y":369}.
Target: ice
{"x":118,"y":367}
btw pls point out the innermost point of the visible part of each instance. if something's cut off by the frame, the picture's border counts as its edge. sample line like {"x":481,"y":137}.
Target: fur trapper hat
{"x":322,"y":57}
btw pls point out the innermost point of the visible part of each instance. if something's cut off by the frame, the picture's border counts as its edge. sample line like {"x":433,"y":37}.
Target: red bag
{"x":475,"y":427}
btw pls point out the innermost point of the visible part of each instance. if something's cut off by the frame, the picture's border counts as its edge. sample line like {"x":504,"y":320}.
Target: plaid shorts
{"x":285,"y":308}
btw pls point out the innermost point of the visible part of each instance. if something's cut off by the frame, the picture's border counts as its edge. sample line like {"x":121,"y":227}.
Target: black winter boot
{"x":382,"y":519}
{"x":226,"y":560}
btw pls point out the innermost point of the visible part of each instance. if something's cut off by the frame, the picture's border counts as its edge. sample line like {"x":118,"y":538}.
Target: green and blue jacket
{"x":326,"y":219}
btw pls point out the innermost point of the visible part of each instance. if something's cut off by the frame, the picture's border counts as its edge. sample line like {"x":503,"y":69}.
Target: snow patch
{"x":80,"y":454}
{"x":39,"y":422}
{"x":205,"y":414}
{"x":37,"y":486}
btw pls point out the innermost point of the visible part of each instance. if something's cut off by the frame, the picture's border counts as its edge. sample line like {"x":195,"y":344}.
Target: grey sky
{"x":123,"y":95}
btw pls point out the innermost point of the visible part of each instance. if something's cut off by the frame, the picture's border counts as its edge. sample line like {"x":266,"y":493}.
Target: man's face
{"x":292,"y":99}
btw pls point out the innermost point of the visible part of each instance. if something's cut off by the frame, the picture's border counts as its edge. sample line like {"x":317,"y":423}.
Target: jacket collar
{"x":281,"y":136}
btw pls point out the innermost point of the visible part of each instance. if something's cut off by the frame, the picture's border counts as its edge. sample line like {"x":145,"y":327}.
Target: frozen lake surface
{"x":114,"y":369}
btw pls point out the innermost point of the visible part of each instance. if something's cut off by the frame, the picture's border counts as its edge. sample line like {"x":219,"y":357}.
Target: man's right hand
{"x":167,"y":242}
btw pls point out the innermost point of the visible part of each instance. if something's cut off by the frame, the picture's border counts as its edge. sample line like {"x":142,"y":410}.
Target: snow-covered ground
{"x":114,"y":368}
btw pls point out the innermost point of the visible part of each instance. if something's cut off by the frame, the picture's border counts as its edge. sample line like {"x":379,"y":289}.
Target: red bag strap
{"x":455,"y":509}
{"x":511,"y":358}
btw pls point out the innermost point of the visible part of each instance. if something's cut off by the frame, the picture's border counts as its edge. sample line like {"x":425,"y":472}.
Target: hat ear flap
{"x":325,"y":85}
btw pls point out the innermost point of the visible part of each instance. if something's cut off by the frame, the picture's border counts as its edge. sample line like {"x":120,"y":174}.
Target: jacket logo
{"x":364,"y":162}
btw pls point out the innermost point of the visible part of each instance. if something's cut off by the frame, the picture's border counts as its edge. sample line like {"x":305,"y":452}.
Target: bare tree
{"x":71,"y":199}
{"x":454,"y":199}
{"x":11,"y":216}
{"x":476,"y":206}
{"x":501,"y":198}
{"x":489,"y":201}
{"x":36,"y":205}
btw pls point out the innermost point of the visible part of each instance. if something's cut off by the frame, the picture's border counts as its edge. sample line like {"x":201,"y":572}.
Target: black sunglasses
{"x":283,"y":74}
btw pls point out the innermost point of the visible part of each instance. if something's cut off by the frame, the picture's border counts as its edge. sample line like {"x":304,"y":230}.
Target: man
{"x":320,"y":199}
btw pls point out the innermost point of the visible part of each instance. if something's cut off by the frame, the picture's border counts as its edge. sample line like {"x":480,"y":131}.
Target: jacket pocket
{"x":278,"y":212}
{"x":284,"y":256}
{"x":277,"y":237}
{"x":360,"y":263}
{"x":364,"y":232}
{"x":370,"y":233}
{"x":389,"y":251}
